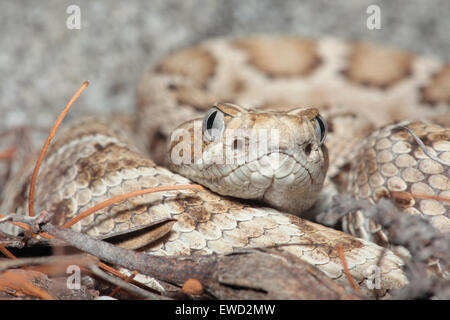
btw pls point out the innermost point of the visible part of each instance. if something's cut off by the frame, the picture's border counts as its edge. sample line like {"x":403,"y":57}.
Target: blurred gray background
{"x":42,"y":62}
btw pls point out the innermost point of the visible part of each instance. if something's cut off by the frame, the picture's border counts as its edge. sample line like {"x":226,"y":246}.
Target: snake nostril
{"x":308,"y":149}
{"x":239,"y":144}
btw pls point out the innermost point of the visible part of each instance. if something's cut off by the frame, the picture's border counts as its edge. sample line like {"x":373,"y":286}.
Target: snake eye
{"x":320,"y":129}
{"x":213,"y":124}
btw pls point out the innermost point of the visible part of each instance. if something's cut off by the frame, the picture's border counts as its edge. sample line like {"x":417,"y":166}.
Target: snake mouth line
{"x":253,"y":161}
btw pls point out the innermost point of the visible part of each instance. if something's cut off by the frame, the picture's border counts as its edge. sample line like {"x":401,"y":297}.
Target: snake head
{"x":276,"y":157}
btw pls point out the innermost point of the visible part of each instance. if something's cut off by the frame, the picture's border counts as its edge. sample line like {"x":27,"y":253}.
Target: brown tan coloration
{"x":438,"y":90}
{"x":193,"y":96}
{"x":390,"y":161}
{"x":200,"y":68}
{"x":206,"y":222}
{"x":377,"y":67}
{"x":299,"y":59}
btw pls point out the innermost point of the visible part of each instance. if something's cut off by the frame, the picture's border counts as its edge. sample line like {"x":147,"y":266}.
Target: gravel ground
{"x":42,"y":62}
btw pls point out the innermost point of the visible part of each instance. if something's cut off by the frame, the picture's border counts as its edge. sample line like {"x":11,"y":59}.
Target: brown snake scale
{"x":356,"y":87}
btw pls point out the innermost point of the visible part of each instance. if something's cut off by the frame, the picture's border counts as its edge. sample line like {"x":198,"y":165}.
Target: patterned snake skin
{"x":356,"y":87}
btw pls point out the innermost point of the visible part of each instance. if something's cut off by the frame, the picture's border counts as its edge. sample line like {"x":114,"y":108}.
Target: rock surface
{"x":42,"y":62}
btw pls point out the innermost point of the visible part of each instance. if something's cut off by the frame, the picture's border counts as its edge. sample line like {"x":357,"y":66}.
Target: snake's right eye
{"x":320,"y":128}
{"x":213,"y":124}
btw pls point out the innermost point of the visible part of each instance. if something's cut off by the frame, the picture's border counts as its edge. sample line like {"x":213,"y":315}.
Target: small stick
{"x":23,"y":283}
{"x":423,"y":147}
{"x":404,"y":195}
{"x":79,"y":259}
{"x":47,"y":143}
{"x":344,"y":264}
{"x":125,"y":196}
{"x":5,"y":219}
{"x":125,"y":285}
{"x":7,"y":253}
{"x":24,"y":225}
{"x":8,"y":242}
{"x":118,"y":274}
{"x":127,"y":280}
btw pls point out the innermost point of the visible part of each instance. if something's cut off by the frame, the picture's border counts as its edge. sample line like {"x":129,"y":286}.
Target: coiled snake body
{"x":355,"y":87}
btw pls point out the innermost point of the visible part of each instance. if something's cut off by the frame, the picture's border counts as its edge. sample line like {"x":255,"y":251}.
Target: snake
{"x":346,"y":117}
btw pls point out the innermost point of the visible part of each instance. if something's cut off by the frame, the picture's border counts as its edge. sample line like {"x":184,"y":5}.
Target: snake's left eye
{"x":320,"y":127}
{"x":213,"y":124}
